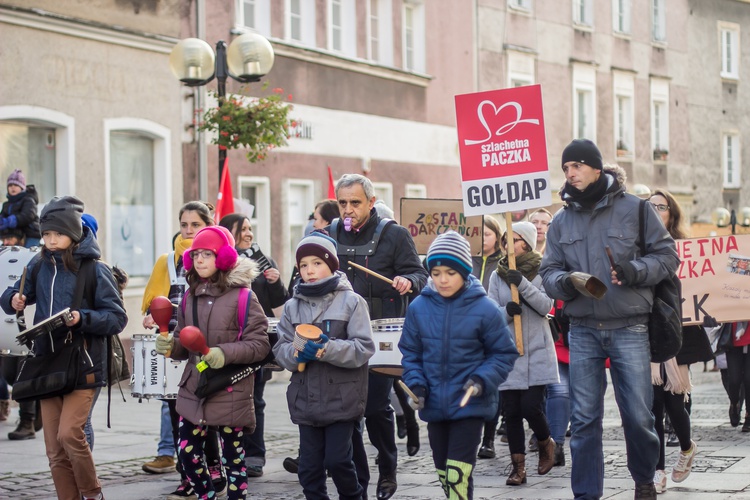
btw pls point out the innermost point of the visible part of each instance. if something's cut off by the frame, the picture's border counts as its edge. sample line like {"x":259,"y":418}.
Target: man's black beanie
{"x":583,"y":151}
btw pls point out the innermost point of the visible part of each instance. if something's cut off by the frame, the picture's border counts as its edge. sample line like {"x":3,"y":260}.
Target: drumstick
{"x":23,"y":280}
{"x":370,"y":271}
{"x":20,"y":318}
{"x":407,"y":390}
{"x":611,"y":258}
{"x":469,"y":393}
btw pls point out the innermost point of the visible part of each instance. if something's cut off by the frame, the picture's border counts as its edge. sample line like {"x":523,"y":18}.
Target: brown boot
{"x":25,"y":430}
{"x":546,"y":456}
{"x":518,"y":474}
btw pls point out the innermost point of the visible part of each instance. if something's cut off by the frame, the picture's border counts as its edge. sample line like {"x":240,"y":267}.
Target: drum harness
{"x":375,"y":304}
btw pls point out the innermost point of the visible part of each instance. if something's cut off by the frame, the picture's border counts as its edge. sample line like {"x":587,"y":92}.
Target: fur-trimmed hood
{"x":243,"y":273}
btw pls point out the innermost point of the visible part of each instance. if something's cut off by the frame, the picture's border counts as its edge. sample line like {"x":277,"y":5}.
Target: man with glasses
{"x":600,"y":217}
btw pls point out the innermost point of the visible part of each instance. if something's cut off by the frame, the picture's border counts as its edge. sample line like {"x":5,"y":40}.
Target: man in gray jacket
{"x":600,"y":214}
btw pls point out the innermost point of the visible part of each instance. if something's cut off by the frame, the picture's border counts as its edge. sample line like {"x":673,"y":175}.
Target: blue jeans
{"x":88,"y":429}
{"x":558,"y":404}
{"x":165,"y":448}
{"x":628,"y":350}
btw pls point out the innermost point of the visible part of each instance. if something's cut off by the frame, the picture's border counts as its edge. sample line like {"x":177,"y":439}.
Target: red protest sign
{"x":503,"y":150}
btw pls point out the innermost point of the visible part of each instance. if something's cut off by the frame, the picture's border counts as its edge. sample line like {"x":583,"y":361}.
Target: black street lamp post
{"x":248,"y":59}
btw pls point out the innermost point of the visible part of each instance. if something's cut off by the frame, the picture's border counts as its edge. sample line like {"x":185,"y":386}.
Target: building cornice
{"x":83,"y":28}
{"x":324,"y":58}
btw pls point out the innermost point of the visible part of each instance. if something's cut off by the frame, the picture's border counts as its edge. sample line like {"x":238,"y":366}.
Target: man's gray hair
{"x":349,"y":180}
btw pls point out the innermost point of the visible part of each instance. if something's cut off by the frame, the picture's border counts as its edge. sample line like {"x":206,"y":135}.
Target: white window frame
{"x":384,"y":35}
{"x":622,"y":11}
{"x":65,"y":133}
{"x":347,"y":30}
{"x":731,"y":159}
{"x":584,"y":81}
{"x":521,"y":69}
{"x":261,"y":10}
{"x":583,"y":12}
{"x":162,"y":137}
{"x":624,"y":113}
{"x":261,"y":219}
{"x":729,"y":50}
{"x":659,"y":115}
{"x":659,"y":20}
{"x":417,"y":29}
{"x":307,"y":22}
{"x":415,"y":191}
{"x":384,"y":191}
{"x":307,"y":201}
{"x":522,"y":5}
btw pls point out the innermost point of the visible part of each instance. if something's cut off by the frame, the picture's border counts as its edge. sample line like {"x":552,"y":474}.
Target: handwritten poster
{"x":425,"y":219}
{"x":715,"y":277}
{"x":503,"y":150}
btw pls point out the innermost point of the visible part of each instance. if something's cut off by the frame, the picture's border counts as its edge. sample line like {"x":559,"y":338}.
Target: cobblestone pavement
{"x":720,"y":470}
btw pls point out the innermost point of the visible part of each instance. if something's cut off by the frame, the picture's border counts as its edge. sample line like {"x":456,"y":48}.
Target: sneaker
{"x":218,"y":479}
{"x":672,"y":440}
{"x":254,"y":471}
{"x":745,"y":426}
{"x":660,"y":481}
{"x":160,"y":465}
{"x":183,"y":491}
{"x":645,"y":491}
{"x":533,"y":443}
{"x":684,"y":465}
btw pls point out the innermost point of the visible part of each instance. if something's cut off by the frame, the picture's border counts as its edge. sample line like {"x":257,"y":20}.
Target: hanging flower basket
{"x":257,"y":125}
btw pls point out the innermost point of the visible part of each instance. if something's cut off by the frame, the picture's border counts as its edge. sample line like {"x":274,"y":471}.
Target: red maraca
{"x":192,"y":338}
{"x":161,"y":310}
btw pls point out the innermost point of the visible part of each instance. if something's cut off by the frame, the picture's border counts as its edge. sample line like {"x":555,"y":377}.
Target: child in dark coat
{"x":18,"y":215}
{"x":327,"y":398}
{"x":455,"y":340}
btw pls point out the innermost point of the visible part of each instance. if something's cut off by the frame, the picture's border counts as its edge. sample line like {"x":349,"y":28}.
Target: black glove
{"x":514,"y":277}
{"x":710,"y":322}
{"x":420,"y":392}
{"x":475,"y":382}
{"x":513,"y":309}
{"x":626,"y":273}
{"x":566,"y":283}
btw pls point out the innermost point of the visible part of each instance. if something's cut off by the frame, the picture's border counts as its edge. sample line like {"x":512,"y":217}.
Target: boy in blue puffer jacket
{"x":455,"y":339}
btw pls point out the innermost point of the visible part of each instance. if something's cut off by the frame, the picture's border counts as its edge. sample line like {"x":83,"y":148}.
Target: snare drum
{"x":387,"y":358}
{"x":154,"y":376}
{"x":12,"y":262}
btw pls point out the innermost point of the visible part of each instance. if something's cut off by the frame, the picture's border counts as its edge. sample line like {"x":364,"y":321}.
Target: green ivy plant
{"x":258,"y":124}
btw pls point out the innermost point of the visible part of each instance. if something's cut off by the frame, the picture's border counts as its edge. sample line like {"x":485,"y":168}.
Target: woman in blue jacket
{"x":444,"y":361}
{"x":67,"y":245}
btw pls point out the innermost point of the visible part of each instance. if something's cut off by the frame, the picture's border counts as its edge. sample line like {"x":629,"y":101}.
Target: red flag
{"x":331,"y":185}
{"x":225,"y":202}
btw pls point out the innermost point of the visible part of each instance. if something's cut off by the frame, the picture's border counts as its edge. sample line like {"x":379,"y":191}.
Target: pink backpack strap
{"x":242,"y":305}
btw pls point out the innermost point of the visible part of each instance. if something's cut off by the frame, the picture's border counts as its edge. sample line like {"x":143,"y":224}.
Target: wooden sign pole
{"x":509,"y":237}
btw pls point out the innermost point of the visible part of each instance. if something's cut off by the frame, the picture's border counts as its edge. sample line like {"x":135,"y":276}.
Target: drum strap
{"x":174,"y":279}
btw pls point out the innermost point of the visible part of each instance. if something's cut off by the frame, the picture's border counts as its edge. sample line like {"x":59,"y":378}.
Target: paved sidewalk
{"x":721,"y":468}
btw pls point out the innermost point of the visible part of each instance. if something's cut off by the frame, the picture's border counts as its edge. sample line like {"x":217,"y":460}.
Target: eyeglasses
{"x":660,"y":207}
{"x":515,"y":240}
{"x":206,"y":254}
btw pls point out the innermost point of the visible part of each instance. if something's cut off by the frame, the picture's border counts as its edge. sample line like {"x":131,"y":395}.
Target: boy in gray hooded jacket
{"x":327,"y":394}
